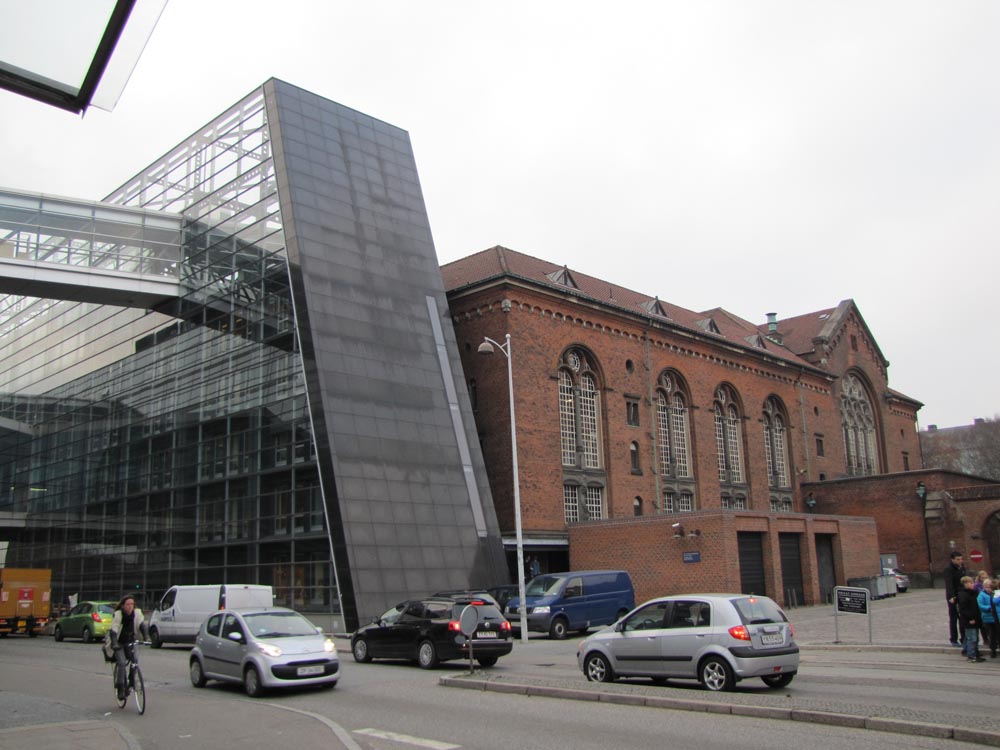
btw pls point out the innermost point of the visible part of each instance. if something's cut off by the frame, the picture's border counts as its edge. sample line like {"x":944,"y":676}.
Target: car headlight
{"x":540,"y":610}
{"x":269,"y":649}
{"x":329,"y":646}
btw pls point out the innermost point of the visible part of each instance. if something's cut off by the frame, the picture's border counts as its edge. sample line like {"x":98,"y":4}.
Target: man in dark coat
{"x":952,"y":585}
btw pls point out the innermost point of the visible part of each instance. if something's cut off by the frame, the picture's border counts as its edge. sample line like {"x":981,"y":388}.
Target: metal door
{"x":751,"y":550}
{"x":791,"y":569}
{"x":825,"y":568}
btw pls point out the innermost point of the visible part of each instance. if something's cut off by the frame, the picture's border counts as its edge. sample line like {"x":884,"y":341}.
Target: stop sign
{"x":975,"y":556}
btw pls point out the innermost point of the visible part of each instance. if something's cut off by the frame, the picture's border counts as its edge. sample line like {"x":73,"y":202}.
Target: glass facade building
{"x":290,"y":417}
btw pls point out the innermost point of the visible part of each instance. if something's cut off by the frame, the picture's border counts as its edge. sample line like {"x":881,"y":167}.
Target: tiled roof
{"x":498,"y":262}
{"x":798,"y":333}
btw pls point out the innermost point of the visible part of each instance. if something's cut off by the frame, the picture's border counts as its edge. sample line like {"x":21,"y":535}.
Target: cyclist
{"x":126,"y":625}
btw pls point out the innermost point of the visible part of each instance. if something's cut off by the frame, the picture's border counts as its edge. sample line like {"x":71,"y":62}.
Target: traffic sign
{"x":975,"y":556}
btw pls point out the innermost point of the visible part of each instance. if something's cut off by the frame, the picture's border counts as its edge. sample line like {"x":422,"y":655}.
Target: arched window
{"x":728,"y":436}
{"x":637,"y":506}
{"x":579,"y":412}
{"x":775,"y":444}
{"x":633,"y":450}
{"x":672,"y":434}
{"x":673,"y":444}
{"x":858,"y":420}
{"x":580,"y":424}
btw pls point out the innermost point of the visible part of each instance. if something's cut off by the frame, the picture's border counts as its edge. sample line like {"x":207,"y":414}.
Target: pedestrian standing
{"x":952,"y":585}
{"x":988,"y":615}
{"x":968,"y":613}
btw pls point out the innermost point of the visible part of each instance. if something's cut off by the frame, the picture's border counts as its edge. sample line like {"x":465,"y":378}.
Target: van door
{"x":574,"y":603}
{"x":164,"y":615}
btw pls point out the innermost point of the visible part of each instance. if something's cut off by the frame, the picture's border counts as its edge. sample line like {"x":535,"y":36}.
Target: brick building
{"x":637,"y":418}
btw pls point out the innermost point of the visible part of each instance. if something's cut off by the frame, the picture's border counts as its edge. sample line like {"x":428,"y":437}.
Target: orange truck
{"x":25,"y":596}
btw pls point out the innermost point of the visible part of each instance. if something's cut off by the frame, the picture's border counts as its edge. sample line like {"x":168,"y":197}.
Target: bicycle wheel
{"x":114,"y":686}
{"x":139,"y":689}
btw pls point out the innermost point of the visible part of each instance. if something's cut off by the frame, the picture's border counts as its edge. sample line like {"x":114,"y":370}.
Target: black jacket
{"x":953,"y":579}
{"x":968,"y":607}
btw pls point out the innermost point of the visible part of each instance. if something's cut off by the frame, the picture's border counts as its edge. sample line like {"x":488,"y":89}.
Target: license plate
{"x":485,"y":634}
{"x":772,"y":639}
{"x":305,"y":671}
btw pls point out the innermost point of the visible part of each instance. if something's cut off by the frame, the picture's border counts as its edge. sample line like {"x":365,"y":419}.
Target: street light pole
{"x":487,"y":348}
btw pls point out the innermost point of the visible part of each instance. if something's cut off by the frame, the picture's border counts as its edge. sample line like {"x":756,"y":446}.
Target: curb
{"x":878,"y":724}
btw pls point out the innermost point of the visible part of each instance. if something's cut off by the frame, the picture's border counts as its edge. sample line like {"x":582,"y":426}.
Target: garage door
{"x":751,"y":546}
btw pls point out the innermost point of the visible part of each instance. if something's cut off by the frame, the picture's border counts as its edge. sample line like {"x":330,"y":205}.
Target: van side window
{"x":601,"y":583}
{"x":574,"y":587}
{"x":168,"y":600}
{"x":690,"y":614}
{"x":213,"y":625}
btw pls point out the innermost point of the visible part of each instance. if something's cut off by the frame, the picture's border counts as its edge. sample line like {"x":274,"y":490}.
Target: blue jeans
{"x":971,"y":647}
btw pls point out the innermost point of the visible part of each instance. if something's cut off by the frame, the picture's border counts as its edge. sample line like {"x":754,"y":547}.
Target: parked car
{"x":428,"y":631}
{"x":578,"y":600}
{"x":717,"y":639}
{"x":87,"y":620}
{"x":504,"y":594}
{"x":902,"y":580}
{"x":261,"y":648}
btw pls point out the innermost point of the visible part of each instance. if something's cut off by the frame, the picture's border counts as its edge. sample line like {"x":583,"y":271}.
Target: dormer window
{"x":563,"y":277}
{"x":655,"y":307}
{"x":708,"y":325}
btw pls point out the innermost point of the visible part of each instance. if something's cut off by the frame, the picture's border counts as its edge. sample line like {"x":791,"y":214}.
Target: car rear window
{"x":106,"y":609}
{"x":757,"y":610}
{"x":485,"y":611}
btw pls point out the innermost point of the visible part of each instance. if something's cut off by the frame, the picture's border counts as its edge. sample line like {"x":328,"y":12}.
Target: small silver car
{"x":717,"y":639}
{"x":264,"y":647}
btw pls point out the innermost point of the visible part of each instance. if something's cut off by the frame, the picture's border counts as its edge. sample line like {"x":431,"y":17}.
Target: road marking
{"x":407,"y":739}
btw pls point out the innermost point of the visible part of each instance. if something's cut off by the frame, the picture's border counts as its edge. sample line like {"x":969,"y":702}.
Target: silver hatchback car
{"x":717,"y":639}
{"x":264,"y":647}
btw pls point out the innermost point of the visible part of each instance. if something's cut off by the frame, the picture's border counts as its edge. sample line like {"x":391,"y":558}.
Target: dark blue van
{"x":578,"y":600}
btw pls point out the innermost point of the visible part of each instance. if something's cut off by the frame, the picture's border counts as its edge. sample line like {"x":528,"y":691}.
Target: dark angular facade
{"x":297,"y":417}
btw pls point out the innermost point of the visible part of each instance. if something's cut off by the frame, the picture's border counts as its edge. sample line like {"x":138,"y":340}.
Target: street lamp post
{"x":487,"y":348}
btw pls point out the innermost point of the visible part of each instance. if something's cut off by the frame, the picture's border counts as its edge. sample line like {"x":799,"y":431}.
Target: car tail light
{"x":96,"y":617}
{"x":455,"y":626}
{"x":505,"y":625}
{"x":791,"y":630}
{"x":477,"y":603}
{"x":739,"y":633}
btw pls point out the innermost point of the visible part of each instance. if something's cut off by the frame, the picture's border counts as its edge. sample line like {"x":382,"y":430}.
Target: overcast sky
{"x":756,"y":156}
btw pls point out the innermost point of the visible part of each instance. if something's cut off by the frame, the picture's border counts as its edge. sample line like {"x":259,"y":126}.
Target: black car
{"x":504,"y":594}
{"x":428,"y":631}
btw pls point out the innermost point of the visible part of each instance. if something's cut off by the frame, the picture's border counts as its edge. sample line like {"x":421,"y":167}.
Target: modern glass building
{"x":281,"y":402}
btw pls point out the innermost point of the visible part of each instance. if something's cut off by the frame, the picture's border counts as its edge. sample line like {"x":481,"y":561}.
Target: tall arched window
{"x":728,"y":436}
{"x":673,"y":444}
{"x":580,"y":423}
{"x":775,"y":444}
{"x":858,"y":418}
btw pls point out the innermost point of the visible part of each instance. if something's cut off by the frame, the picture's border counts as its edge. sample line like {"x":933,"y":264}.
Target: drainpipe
{"x":655,"y":466}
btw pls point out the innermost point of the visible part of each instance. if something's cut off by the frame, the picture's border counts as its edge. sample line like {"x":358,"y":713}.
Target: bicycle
{"x":134,"y":685}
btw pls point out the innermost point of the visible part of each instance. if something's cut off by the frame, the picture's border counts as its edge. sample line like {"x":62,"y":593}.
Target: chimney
{"x":772,"y":322}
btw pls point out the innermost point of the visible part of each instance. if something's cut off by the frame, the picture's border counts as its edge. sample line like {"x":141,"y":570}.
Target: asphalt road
{"x":394,"y":705}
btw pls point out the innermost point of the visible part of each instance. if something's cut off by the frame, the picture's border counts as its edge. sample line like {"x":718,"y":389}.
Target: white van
{"x":183,"y":609}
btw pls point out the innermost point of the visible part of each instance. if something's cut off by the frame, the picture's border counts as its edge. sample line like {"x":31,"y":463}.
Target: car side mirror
{"x":234,"y":636}
{"x":620,"y":626}
{"x":376,"y":621}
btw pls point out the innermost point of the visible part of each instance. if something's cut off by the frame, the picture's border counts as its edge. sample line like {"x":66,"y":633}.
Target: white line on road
{"x":407,"y":739}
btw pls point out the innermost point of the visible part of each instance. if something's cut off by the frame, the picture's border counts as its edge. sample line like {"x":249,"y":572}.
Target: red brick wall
{"x":647,"y":549}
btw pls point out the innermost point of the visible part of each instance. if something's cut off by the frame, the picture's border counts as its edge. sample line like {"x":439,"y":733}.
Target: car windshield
{"x":756,"y":610}
{"x":543,"y":585}
{"x":278,"y":624}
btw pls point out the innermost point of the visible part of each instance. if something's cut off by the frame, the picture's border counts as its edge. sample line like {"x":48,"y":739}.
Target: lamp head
{"x":485,"y":348}
{"x":810,"y":501}
{"x":921,"y":490}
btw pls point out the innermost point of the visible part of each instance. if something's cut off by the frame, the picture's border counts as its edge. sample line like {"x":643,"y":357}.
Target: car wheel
{"x":558,"y":629}
{"x":154,"y":638}
{"x":251,"y":682}
{"x":778,"y":680}
{"x":487,"y":661}
{"x":361,"y":652}
{"x":716,"y":674}
{"x":58,"y":634}
{"x":901,"y":590}
{"x":598,"y":669}
{"x":197,"y":673}
{"x":427,"y":656}
{"x":87,"y":636}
